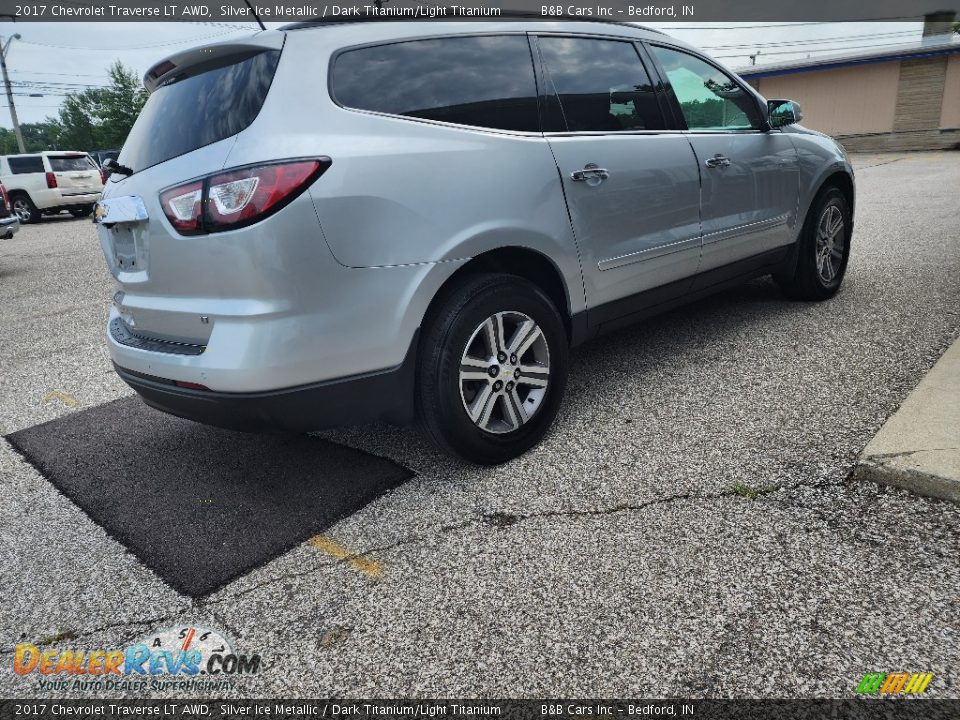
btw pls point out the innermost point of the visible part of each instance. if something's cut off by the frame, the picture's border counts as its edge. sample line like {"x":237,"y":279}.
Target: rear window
{"x":68,"y":163}
{"x":482,"y":81}
{"x":199,"y":109}
{"x":30,"y":164}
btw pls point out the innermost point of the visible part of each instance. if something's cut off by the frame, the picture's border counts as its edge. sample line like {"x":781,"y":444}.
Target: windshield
{"x":198,"y":109}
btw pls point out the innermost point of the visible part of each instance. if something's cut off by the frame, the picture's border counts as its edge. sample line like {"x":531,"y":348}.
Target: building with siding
{"x":902,"y":98}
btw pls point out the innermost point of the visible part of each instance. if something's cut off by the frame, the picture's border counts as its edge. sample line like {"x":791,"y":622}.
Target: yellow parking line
{"x":370,"y":568}
{"x":66,"y":398}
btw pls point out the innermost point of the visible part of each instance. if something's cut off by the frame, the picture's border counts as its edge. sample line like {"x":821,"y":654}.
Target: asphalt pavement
{"x":689,"y":528}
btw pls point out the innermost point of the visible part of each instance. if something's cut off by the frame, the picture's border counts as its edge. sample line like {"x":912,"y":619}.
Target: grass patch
{"x":59,"y":636}
{"x":748,"y":491}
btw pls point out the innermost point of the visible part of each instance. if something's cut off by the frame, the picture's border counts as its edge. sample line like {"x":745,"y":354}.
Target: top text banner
{"x":638,"y":11}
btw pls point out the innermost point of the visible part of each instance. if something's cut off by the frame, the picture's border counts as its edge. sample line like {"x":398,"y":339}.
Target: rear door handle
{"x":717,"y":161}
{"x":590,"y":172}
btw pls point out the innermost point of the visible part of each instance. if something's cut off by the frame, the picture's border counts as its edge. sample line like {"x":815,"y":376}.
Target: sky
{"x":55,"y":58}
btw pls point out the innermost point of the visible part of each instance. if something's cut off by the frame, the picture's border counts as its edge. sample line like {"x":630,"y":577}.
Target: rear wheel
{"x":823,"y":249}
{"x":24,"y":209}
{"x":492,"y":369}
{"x":81,"y":210}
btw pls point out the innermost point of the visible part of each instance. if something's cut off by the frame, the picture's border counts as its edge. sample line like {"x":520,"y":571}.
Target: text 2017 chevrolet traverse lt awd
{"x":335,"y":223}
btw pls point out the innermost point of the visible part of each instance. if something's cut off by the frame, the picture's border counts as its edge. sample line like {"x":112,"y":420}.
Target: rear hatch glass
{"x":199,"y":106}
{"x":70,"y":163}
{"x":76,"y":174}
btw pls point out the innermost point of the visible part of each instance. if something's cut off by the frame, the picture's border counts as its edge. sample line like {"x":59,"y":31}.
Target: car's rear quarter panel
{"x":401,"y":191}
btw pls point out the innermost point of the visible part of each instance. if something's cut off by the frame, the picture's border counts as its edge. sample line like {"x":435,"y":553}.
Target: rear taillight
{"x":239,"y":197}
{"x":6,"y":198}
{"x":103,"y":176}
{"x":182,"y":207}
{"x":51,"y":180}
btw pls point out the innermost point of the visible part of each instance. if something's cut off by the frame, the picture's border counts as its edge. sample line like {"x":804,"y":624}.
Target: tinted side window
{"x":709,"y":98}
{"x":31,"y":164}
{"x":198,"y":109}
{"x":481,"y":81}
{"x":601,"y":86}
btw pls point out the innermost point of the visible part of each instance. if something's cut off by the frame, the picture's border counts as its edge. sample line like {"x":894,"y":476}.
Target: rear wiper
{"x":112,"y":166}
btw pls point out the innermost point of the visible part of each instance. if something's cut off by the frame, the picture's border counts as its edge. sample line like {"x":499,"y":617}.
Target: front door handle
{"x":717,"y":160}
{"x":591,"y":174}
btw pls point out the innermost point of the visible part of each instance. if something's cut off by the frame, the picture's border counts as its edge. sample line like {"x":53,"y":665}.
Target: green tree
{"x":100,"y":118}
{"x":36,"y":137}
{"x":40,"y":136}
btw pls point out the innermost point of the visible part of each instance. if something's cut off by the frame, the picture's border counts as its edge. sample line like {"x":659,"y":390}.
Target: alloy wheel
{"x":504,"y":372}
{"x":830,"y":243}
{"x":22,"y":210}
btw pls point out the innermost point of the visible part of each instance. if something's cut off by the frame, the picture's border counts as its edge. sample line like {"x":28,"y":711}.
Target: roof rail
{"x":504,"y":14}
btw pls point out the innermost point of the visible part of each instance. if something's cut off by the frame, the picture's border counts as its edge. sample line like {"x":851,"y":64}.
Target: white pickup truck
{"x":48,"y":182}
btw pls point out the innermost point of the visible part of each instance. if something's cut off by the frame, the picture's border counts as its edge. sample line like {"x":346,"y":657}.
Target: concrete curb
{"x":918,"y":448}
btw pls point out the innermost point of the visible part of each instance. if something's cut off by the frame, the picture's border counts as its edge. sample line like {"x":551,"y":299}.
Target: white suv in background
{"x":48,"y":182}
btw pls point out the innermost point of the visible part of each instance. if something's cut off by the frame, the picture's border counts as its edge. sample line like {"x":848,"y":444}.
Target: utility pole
{"x":6,"y":82}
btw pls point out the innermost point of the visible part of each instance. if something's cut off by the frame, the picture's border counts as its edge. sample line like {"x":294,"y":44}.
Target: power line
{"x":819,"y":50}
{"x":811,"y":41}
{"x":38,"y":72}
{"x":52,"y":83}
{"x":134,"y":47}
{"x":737,"y":26}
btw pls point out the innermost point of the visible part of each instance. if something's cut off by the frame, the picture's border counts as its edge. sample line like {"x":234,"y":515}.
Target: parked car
{"x":9,"y":223}
{"x":425,"y":229}
{"x":46,"y":183}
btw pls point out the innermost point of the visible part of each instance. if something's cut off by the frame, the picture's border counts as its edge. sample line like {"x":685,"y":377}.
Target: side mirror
{"x":783,"y":112}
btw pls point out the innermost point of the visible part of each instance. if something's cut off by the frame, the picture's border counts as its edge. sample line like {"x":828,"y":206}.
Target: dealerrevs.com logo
{"x":897,"y":683}
{"x":184,"y":658}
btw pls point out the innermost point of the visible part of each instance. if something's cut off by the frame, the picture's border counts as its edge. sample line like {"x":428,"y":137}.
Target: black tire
{"x":23,"y":207}
{"x":442,"y":395}
{"x":81,"y":210}
{"x":809,"y":279}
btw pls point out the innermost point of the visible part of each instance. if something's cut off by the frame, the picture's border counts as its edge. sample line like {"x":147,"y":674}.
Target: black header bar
{"x":640,"y":11}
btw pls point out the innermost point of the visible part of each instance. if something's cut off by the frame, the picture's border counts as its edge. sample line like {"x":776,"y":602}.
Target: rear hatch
{"x":200,"y":97}
{"x":199,"y":101}
{"x":76,"y":173}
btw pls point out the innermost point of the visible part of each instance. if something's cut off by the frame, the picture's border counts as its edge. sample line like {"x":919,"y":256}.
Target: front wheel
{"x":823,"y":249}
{"x":492,"y":369}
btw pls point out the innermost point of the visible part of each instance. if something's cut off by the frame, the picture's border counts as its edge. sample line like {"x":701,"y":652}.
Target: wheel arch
{"x":843,"y":181}
{"x":18,"y":192}
{"x":838,"y":177}
{"x":524,"y":262}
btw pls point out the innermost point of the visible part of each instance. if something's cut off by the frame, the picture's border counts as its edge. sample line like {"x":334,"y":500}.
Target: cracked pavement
{"x":687,"y":529}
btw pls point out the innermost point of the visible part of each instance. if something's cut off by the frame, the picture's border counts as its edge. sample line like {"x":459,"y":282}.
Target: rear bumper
{"x":62,"y":201}
{"x":8,"y":226}
{"x":385,"y":395}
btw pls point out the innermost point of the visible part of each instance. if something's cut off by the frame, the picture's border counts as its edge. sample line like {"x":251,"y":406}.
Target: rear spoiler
{"x":212,"y":56}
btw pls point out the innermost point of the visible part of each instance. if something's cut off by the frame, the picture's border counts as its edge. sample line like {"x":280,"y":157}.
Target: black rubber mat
{"x":199,"y":505}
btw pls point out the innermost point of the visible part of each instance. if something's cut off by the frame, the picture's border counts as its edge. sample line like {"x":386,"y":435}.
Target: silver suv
{"x":335,"y":223}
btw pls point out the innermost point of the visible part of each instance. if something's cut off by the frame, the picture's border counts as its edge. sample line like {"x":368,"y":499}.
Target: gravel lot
{"x":687,"y":529}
